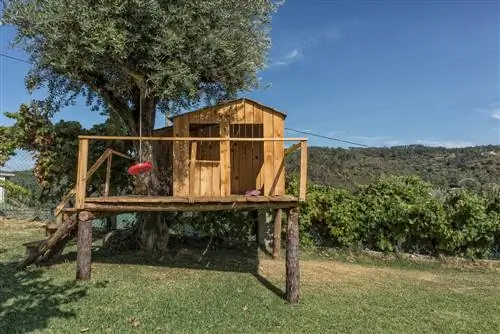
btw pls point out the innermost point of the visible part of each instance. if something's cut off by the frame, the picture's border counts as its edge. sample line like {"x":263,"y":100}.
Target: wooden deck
{"x":179,"y":203}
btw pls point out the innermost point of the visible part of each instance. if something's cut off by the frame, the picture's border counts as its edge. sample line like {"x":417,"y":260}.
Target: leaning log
{"x":55,"y":244}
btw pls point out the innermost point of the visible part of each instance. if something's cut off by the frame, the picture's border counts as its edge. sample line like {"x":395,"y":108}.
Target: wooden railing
{"x":83,"y":148}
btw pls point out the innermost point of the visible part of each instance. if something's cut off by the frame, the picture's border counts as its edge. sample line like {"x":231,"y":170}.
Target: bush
{"x":401,"y":214}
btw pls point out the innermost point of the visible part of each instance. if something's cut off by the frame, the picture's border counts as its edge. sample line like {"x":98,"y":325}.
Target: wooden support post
{"x":261,"y":229}
{"x":292,"y":257}
{"x":84,"y":250}
{"x":108,"y":175}
{"x":303,"y":171}
{"x":277,"y":233}
{"x":111,"y":223}
{"x":81,"y":174}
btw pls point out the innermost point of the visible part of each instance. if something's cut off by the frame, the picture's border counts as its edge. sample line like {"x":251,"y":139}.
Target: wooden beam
{"x":292,"y":257}
{"x":98,"y":162}
{"x":192,"y":167}
{"x":121,"y":154}
{"x":277,"y":233}
{"x":225,"y":159}
{"x":303,"y":171}
{"x":189,"y":138}
{"x":81,"y":175}
{"x":107,"y":154}
{"x":108,"y":175}
{"x":292,"y":148}
{"x":198,"y":207}
{"x":84,"y":250}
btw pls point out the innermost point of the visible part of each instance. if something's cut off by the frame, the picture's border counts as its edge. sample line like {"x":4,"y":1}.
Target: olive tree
{"x":134,"y":58}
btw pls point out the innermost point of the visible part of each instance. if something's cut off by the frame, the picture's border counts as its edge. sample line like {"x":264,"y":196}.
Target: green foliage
{"x":471,"y":230}
{"x":474,"y":168}
{"x":401,"y":214}
{"x":329,"y":217}
{"x":55,"y":149}
{"x":181,"y":51}
{"x":15,"y":193}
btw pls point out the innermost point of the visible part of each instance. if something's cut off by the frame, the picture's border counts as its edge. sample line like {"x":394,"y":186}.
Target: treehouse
{"x":238,"y":161}
{"x":227,"y":156}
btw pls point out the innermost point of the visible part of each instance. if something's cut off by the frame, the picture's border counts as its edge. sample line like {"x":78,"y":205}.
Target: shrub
{"x":401,"y":214}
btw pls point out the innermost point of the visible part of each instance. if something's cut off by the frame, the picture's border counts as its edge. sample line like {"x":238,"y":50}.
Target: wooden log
{"x":111,"y":223}
{"x":292,"y":257}
{"x":81,"y":178}
{"x":56,"y":242}
{"x":84,"y":250}
{"x":178,"y":139}
{"x":261,"y":229}
{"x":108,"y":175}
{"x":277,"y":233}
{"x":303,"y":171}
{"x":291,"y":149}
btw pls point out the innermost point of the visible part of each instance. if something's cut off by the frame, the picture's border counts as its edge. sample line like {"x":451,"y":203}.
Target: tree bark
{"x":292,"y":257}
{"x":84,"y":250}
{"x":277,"y":233}
{"x":151,"y":227}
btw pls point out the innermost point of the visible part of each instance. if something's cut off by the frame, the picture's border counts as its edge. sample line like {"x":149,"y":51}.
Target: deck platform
{"x":180,"y":203}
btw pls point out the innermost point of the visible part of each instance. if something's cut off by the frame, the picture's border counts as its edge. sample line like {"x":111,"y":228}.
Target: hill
{"x":472,"y":167}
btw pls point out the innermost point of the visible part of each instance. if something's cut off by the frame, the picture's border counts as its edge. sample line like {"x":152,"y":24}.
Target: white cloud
{"x":444,"y":143}
{"x":496,"y":113}
{"x":289,"y":58}
{"x":306,"y":40}
{"x":492,"y":110}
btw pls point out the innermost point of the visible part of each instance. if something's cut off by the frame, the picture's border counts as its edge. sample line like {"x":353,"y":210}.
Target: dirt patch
{"x":334,"y":274}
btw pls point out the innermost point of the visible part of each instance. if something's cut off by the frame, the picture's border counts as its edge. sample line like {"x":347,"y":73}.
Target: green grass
{"x":130,"y":293}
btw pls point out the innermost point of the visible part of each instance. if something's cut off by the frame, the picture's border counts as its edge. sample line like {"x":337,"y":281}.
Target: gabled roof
{"x":228,"y":102}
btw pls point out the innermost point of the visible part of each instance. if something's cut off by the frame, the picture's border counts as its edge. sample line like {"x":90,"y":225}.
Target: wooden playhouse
{"x":240,"y":162}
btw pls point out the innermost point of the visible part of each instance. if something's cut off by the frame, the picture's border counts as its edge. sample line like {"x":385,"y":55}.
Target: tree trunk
{"x":84,"y":250}
{"x":151,"y":228}
{"x":292,"y":257}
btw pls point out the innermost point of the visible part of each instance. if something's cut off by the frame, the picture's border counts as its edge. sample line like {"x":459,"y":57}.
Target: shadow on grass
{"x":28,"y":300}
{"x":191,"y":255}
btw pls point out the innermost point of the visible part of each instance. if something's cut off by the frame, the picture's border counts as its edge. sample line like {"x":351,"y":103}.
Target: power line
{"x":289,"y":129}
{"x":327,"y":137}
{"x":15,"y":58}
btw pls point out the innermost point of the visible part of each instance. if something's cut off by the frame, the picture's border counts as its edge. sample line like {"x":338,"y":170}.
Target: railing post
{"x":81,"y":174}
{"x":303,"y":171}
{"x":108,"y":175}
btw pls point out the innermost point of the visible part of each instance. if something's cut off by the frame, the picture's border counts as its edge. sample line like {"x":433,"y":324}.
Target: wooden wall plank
{"x":225,"y":159}
{"x":258,"y":148}
{"x":192,"y":169}
{"x":268,"y":121}
{"x":181,"y":157}
{"x":235,"y":161}
{"x":216,"y":180}
{"x":279,"y":148}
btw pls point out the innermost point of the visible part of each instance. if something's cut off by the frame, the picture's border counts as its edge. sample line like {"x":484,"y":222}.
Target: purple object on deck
{"x":255,"y":192}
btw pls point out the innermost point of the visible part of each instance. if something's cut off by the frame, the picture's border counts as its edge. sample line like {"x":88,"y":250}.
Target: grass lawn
{"x":223,"y":293}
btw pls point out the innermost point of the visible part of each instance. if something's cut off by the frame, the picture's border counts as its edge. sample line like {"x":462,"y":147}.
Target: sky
{"x":379,"y":73}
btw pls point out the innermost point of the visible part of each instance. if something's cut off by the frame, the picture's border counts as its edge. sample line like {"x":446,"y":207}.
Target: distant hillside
{"x":471,"y":167}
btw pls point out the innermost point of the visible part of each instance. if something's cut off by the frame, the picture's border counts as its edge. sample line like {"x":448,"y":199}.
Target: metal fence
{"x":19,"y":190}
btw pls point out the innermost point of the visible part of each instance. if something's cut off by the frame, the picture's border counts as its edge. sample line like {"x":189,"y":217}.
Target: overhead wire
{"x":327,"y":137}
